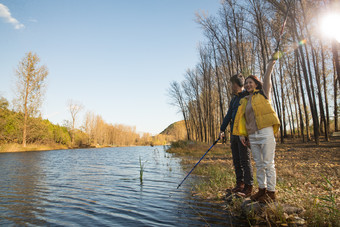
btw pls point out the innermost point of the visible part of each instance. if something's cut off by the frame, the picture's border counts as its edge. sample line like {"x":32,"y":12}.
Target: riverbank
{"x":15,"y":147}
{"x":307,"y":177}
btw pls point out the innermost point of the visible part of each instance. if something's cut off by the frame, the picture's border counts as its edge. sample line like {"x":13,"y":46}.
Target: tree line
{"x":23,"y":123}
{"x":94,"y":132}
{"x":38,"y":130}
{"x":241,"y":39}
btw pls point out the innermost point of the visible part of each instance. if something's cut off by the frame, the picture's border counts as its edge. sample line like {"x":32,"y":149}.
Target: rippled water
{"x":99,"y":187}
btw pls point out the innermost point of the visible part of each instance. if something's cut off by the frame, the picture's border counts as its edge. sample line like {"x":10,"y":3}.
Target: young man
{"x":241,"y":153}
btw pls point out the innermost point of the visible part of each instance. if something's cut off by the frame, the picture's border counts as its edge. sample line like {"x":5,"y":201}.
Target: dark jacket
{"x":233,"y":106}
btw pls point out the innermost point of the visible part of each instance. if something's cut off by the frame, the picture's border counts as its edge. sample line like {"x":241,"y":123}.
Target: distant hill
{"x":176,"y":130}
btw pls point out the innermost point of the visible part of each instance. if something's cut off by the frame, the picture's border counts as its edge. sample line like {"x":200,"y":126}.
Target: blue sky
{"x":115,"y":57}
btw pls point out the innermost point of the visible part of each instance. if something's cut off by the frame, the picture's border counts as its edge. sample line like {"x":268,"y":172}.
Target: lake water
{"x":100,"y":187}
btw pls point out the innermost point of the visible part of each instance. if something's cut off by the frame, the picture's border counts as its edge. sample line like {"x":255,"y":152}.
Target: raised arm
{"x":267,"y":85}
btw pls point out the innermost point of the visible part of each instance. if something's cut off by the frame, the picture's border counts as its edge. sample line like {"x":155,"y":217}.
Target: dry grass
{"x":307,"y":176}
{"x":14,"y":147}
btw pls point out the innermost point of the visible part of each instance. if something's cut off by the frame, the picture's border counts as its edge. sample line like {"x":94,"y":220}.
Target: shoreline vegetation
{"x":94,"y":132}
{"x":14,"y":147}
{"x":41,"y":134}
{"x":307,"y":178}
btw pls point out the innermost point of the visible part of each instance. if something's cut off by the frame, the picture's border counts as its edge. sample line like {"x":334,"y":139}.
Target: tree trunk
{"x":325,"y":90}
{"x":318,"y":82}
{"x":278,"y":106}
{"x":309,"y":80}
{"x":219,"y":87}
{"x":290,"y":116}
{"x":298,"y":117}
{"x":24,"y":132}
{"x":336,"y":80}
{"x":303,"y":97}
{"x":283,"y":105}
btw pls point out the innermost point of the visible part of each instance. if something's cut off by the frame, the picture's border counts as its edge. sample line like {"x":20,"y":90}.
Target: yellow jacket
{"x":265,"y":115}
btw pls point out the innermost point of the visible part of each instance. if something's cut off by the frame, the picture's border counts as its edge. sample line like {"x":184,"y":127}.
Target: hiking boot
{"x":239,"y":187}
{"x":246,"y":192}
{"x":268,"y":197}
{"x":260,"y":193}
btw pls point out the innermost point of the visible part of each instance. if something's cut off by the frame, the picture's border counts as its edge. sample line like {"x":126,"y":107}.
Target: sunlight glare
{"x":330,"y":26}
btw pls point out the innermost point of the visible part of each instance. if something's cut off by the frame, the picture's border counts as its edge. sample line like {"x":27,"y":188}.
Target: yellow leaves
{"x":220,"y":194}
{"x":331,"y":165}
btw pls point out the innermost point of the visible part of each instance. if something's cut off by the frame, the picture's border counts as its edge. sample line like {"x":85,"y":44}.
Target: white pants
{"x":262,"y":144}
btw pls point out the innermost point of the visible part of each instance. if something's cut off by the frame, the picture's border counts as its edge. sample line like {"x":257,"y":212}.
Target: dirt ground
{"x":308,"y":169}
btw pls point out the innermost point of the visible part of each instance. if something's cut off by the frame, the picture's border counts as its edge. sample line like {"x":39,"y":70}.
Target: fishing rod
{"x":282,"y":29}
{"x":281,"y":33}
{"x":198,"y":163}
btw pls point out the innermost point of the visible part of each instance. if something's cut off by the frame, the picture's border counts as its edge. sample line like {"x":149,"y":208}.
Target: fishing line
{"x":197,"y":213}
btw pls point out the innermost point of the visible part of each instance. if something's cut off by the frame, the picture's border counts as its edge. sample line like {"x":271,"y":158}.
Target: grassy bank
{"x":14,"y":147}
{"x":307,"y":177}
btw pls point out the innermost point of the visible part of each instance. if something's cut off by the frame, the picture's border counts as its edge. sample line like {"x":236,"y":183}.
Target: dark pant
{"x":241,"y":160}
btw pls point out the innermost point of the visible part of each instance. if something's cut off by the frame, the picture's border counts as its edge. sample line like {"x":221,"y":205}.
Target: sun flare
{"x":330,"y":26}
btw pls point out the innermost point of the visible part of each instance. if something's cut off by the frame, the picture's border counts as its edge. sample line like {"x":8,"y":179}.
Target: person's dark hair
{"x":237,"y":79}
{"x":256,"y":80}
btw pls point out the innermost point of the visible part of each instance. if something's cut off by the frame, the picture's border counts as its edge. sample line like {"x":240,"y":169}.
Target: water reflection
{"x":20,"y":188}
{"x":99,"y":187}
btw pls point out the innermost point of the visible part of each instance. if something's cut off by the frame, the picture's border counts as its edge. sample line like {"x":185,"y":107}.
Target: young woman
{"x":257,"y":122}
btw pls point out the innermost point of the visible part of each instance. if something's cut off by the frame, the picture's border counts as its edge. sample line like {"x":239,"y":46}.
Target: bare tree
{"x":30,"y":86}
{"x":176,"y":95}
{"x":89,"y":126}
{"x":74,"y":108}
{"x":240,"y":38}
